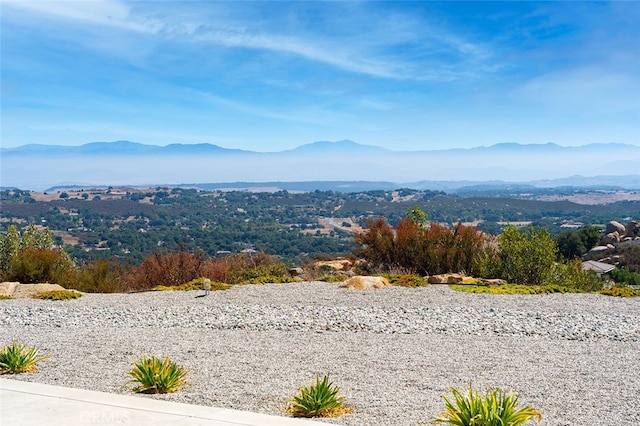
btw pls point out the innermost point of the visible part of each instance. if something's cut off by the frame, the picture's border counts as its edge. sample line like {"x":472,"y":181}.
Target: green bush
{"x":572,"y":275}
{"x":408,"y":280}
{"x":321,"y":399}
{"x":31,"y":257}
{"x":16,"y":358}
{"x":495,"y":408}
{"x":101,"y":276}
{"x":620,"y":292}
{"x":513,"y":289}
{"x":157,"y":376}
{"x":196,"y":284}
{"x":37,"y":265}
{"x":58,"y":295}
{"x":526,"y":256}
{"x":333,"y":278}
{"x":624,"y":276}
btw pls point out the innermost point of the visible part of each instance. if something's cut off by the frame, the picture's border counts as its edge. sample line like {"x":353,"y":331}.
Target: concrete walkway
{"x":35,"y":404}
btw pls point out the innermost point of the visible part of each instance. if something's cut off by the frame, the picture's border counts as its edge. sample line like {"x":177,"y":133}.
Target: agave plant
{"x":496,"y":408}
{"x":321,"y":399}
{"x":16,"y":358}
{"x":157,"y":376}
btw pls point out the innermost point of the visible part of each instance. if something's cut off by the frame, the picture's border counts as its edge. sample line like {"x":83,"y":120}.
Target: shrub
{"x":5,"y":297}
{"x":246,"y":269}
{"x":333,"y":278}
{"x":620,"y":292}
{"x":16,"y":358}
{"x":496,"y":408}
{"x":624,"y":276}
{"x":406,"y":280}
{"x":167,"y":269}
{"x":321,"y":399}
{"x":157,"y":376}
{"x":194,"y":285}
{"x":513,"y":289}
{"x":526,"y":256}
{"x":419,"y":249}
{"x":58,"y":295}
{"x":38,"y":265}
{"x":31,"y":257}
{"x":101,"y":276}
{"x":571,"y":274}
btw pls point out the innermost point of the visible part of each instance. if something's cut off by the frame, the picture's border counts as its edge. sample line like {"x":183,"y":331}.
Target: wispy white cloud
{"x":373,"y":52}
{"x":103,"y":12}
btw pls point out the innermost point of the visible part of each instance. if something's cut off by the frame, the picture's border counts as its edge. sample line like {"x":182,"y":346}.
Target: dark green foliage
{"x":573,"y":243}
{"x":570,"y":245}
{"x":625,"y":277}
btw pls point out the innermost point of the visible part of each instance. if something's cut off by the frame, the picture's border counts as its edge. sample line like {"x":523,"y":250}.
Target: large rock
{"x":596,"y":252}
{"x":363,"y":282}
{"x":633,"y":229}
{"x":615,"y":226}
{"x":22,"y":291}
{"x":446,"y":279}
{"x":337,"y":264}
{"x":610,"y":238}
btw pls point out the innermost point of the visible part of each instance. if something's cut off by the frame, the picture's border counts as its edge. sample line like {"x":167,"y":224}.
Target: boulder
{"x":610,"y":238}
{"x":597,"y":251}
{"x":492,"y":281}
{"x":615,"y":226}
{"x":633,"y":229}
{"x":446,"y":279}
{"x":337,"y":264}
{"x":363,"y":282}
{"x":296,"y":272}
{"x":22,"y":291}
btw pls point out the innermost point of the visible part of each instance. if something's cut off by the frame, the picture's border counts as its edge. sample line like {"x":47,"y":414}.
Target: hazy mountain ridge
{"x":343,"y":146}
{"x":125,"y":163}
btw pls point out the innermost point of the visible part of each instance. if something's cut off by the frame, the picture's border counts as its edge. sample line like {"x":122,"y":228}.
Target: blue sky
{"x":270,"y":76}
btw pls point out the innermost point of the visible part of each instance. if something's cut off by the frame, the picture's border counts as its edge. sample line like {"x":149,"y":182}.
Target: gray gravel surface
{"x":392,"y":351}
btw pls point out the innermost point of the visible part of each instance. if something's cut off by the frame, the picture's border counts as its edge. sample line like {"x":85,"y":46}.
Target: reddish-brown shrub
{"x":166,"y":269}
{"x":433,"y":249}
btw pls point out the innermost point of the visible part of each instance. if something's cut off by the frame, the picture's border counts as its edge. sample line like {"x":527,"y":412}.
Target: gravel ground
{"x":393,"y":351}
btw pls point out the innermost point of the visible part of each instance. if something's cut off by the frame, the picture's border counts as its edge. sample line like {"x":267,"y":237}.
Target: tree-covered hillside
{"x":131,"y":223}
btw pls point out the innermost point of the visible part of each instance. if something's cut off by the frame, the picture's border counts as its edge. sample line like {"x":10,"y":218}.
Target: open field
{"x":392,"y":351}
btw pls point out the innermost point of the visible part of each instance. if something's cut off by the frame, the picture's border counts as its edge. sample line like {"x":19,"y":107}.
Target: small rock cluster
{"x":615,"y":232}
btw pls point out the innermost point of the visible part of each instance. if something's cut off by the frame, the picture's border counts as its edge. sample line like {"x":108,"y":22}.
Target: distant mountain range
{"x":320,"y":147}
{"x":38,"y":166}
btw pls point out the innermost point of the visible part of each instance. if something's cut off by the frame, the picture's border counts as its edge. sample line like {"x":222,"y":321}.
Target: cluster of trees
{"x":414,"y":246}
{"x":281,"y":223}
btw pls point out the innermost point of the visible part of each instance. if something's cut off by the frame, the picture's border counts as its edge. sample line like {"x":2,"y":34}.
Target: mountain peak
{"x":346,"y":145}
